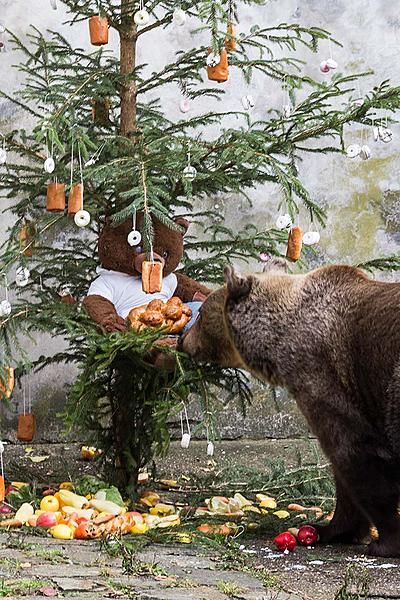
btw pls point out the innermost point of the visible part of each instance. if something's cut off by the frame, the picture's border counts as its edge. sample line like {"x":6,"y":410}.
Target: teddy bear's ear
{"x":183,"y":223}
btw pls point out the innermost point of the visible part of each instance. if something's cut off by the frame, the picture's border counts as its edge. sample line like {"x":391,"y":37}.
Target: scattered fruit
{"x":281,"y":514}
{"x":307,"y":535}
{"x":62,"y":532}
{"x":285,"y":542}
{"x":46,"y":519}
{"x":50,"y":504}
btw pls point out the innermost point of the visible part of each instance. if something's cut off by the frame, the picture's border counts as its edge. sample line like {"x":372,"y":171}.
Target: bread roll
{"x":294,"y":244}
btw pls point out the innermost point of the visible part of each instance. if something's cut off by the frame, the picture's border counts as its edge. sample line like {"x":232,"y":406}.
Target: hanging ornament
{"x":217,"y":71}
{"x":82,"y":218}
{"x":324,"y":67}
{"x":49,"y":165}
{"x":230,"y":40}
{"x":134,"y":236}
{"x":152,"y":274}
{"x":179,"y":17}
{"x":98,"y":29}
{"x":3,"y":151}
{"x":184,"y":105}
{"x":141,"y":17}
{"x":22,"y":275}
{"x":287,"y":111}
{"x":185,"y":440}
{"x":311,"y":237}
{"x":248,"y":102}
{"x":293,"y":251}
{"x":189,"y":172}
{"x":353,"y":150}
{"x":210,"y":449}
{"x":27,"y":235}
{"x":55,"y":198}
{"x":2,"y":480}
{"x":27,"y":420}
{"x":358,"y":102}
{"x":7,"y":386}
{"x":53,"y":4}
{"x":385,"y":134}
{"x":283,"y":221}
{"x":332,"y":64}
{"x":365,"y":152}
{"x":75,"y":199}
{"x":5,"y":305}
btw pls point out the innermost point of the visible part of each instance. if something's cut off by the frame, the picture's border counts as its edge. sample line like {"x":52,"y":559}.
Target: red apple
{"x":47,"y":519}
{"x":285,"y":541}
{"x":307,"y":535}
{"x":5,"y":509}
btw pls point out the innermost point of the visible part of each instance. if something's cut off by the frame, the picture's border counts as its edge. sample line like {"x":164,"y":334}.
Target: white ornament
{"x":310,"y":238}
{"x":22,"y":275}
{"x":49,"y":165}
{"x":53,"y":4}
{"x":358,"y":102}
{"x":375,"y":133}
{"x":353,"y":150}
{"x":179,"y":17}
{"x":185,"y":441}
{"x":82,"y":218}
{"x":385,"y":134}
{"x":184,"y":105}
{"x":134,"y":237}
{"x":365,"y":153}
{"x":3,"y":156}
{"x":5,"y":308}
{"x":283,"y":222}
{"x":210,"y":449}
{"x":331,"y":63}
{"x":189,"y":173}
{"x":2,"y":27}
{"x":248,"y":102}
{"x":141,"y":17}
{"x":213,"y":60}
{"x":287,"y":111}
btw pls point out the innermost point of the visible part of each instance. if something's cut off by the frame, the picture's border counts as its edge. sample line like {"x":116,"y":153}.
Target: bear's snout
{"x":139,"y":258}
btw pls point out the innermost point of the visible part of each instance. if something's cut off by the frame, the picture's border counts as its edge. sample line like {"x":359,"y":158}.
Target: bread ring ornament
{"x":219,"y":72}
{"x":294,"y":244}
{"x":152,"y":276}
{"x":171,"y":316}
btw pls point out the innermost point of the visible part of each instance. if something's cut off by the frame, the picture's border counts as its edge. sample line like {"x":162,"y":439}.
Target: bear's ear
{"x":183,"y":223}
{"x":274,"y":263}
{"x":238,"y":286}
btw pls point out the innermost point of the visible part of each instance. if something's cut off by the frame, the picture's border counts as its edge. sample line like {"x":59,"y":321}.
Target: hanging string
{"x":29,"y":397}
{"x":1,"y":459}
{"x":24,"y":400}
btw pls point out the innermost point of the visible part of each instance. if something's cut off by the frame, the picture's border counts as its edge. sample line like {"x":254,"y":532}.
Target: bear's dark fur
{"x":332,"y":338}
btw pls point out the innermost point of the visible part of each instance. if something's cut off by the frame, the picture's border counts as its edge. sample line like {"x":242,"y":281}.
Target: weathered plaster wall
{"x":363,"y":198}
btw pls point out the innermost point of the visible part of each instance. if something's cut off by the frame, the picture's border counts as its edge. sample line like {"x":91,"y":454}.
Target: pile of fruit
{"x":68,"y":515}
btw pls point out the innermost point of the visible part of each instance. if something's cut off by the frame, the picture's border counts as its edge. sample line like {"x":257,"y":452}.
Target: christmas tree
{"x":96,"y":123}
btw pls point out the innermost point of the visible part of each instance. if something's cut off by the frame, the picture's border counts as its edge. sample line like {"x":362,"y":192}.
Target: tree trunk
{"x":127,"y":65}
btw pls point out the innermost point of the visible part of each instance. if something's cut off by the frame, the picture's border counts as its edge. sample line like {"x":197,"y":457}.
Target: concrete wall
{"x":363,"y":197}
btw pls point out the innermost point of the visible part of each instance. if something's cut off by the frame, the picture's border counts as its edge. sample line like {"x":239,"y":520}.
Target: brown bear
{"x":118,"y":287}
{"x":332,"y":338}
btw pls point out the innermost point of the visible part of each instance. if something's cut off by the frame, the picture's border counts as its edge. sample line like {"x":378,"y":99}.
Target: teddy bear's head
{"x":117,"y":255}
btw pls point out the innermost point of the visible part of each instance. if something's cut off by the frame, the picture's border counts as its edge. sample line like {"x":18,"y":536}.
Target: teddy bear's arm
{"x":103,"y":312}
{"x":188,"y":289}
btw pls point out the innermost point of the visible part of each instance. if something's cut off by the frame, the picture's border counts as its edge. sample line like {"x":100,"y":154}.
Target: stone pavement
{"x":32,"y":567}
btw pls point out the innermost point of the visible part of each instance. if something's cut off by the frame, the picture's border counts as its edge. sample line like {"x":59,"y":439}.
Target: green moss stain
{"x":352,"y":227}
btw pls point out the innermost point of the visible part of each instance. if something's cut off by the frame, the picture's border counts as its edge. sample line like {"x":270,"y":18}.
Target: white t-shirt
{"x":125,"y":291}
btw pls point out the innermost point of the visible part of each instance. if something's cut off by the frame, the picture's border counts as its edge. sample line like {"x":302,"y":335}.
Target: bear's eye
{"x":165,"y":254}
{"x":138,"y":249}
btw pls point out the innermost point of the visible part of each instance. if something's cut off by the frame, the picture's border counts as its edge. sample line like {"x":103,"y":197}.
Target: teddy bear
{"x":118,"y":287}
